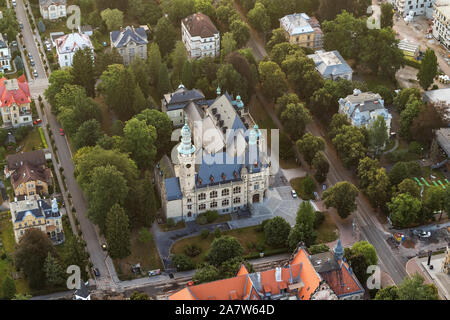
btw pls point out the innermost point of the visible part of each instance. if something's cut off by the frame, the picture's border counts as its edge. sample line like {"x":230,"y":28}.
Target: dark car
{"x":96,"y":272}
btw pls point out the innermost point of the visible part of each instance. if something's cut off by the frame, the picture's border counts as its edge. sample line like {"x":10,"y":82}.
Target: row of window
{"x":214,"y":204}
{"x":214,"y":194}
{"x":34,"y":223}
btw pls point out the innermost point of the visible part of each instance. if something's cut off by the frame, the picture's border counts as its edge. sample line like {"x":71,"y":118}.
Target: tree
{"x":113,"y":18}
{"x":378,"y":190}
{"x":117,"y":232}
{"x":186,"y":75}
{"x":433,"y":201}
{"x":228,"y":44}
{"x":295,"y":118}
{"x":258,"y":17}
{"x":140,"y":71}
{"x":206,"y":7}
{"x":303,"y":231}
{"x":136,"y":295}
{"x":163,"y":80}
{"x":321,"y":165}
{"x":273,"y":79}
{"x":413,"y":288}
{"x":278,"y":36}
{"x":224,"y":248}
{"x":430,"y":118}
{"x":139,"y":139}
{"x":409,"y":186}
{"x":75,"y":254}
{"x":178,"y":9}
{"x":8,"y":288}
{"x":104,"y":59}
{"x":349,"y":143}
{"x":367,"y":250}
{"x":228,"y":79}
{"x":57,"y":80}
{"x":165,"y":36}
{"x":309,"y":145}
{"x":178,"y":57}
{"x":281,"y":51}
{"x":54,"y":272}
{"x":341,"y":196}
{"x":387,"y":15}
{"x":83,"y":70}
{"x":404,"y":210}
{"x":182,"y":262}
{"x":446,"y":202}
{"x":144,"y":235}
{"x":88,"y":134}
{"x":428,"y":69}
{"x":367,"y":168}
{"x":360,"y":256}
{"x":162,"y":124}
{"x":404,"y":96}
{"x":277,"y":232}
{"x":154,"y":62}
{"x":284,"y":100}
{"x":107,"y":188}
{"x":141,"y":202}
{"x":30,"y":255}
{"x":241,"y":32}
{"x":378,"y":134}
{"x":206,"y":273}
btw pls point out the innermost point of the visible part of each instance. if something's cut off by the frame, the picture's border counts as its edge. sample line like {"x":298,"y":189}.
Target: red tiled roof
{"x":20,"y":96}
{"x":341,"y":281}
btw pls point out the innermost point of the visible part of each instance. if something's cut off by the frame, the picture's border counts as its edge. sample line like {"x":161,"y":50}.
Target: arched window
{"x":225,"y":192}
{"x":202,"y":196}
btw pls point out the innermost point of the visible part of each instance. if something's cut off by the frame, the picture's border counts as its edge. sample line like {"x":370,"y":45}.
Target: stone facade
{"x":15,"y":102}
{"x":130,"y":42}
{"x":52,"y":9}
{"x":302,"y":30}
{"x":200,"y":36}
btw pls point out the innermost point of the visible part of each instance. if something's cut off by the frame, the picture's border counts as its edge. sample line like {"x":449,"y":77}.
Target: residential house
{"x":87,"y":30}
{"x":298,"y":280}
{"x":200,"y":36}
{"x":5,"y":55}
{"x":36,"y":158}
{"x":52,"y":9}
{"x":302,"y":30}
{"x":34,"y":212}
{"x":130,"y":42}
{"x":336,"y":272}
{"x":67,"y":45}
{"x":414,"y":7}
{"x":15,"y":102}
{"x":83,"y":293}
{"x":363,"y":108}
{"x":331,"y":65}
{"x":29,"y":180}
{"x":441,"y":25}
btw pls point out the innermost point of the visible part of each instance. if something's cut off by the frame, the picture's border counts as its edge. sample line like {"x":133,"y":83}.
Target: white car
{"x":35,"y":74}
{"x":294,"y":194}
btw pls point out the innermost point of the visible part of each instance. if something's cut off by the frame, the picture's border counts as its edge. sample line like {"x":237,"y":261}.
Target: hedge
{"x":412,"y":63}
{"x":44,"y":142}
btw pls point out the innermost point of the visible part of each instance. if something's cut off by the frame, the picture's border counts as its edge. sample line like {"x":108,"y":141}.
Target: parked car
{"x":61,"y":131}
{"x":14,"y":3}
{"x":37,"y":121}
{"x":20,"y":25}
{"x":425,"y":234}
{"x":294,"y":194}
{"x":35,"y":74}
{"x":104,"y":246}
{"x":154,"y":272}
{"x":96,"y":272}
{"x":32,"y":62}
{"x":30,"y":56}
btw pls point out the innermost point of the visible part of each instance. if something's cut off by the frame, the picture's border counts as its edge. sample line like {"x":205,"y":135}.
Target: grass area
{"x":144,"y":253}
{"x":375,"y":80}
{"x":288,"y":164}
{"x":221,"y":218}
{"x":32,"y":141}
{"x":250,"y":238}
{"x":297,"y":185}
{"x":260,"y":115}
{"x":178,"y":225}
{"x":106,"y":114}
{"x":327,"y":232}
{"x":8,"y":246}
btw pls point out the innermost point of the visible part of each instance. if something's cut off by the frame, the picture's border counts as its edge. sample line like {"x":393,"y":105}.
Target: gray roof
{"x":181,"y":97}
{"x":36,"y":158}
{"x":330,"y":64}
{"x":443,"y":138}
{"x":365,"y":101}
{"x":46,"y":3}
{"x":437,"y":95}
{"x":83,"y":291}
{"x":121,"y":38}
{"x":173,"y":190}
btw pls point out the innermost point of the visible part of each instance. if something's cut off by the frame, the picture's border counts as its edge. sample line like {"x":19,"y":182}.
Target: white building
{"x":15,"y":102}
{"x":331,"y":65}
{"x":200,"y":36}
{"x":52,"y":9}
{"x":363,"y":108}
{"x":417,"y":7}
{"x":67,"y":45}
{"x":224,"y":171}
{"x":5,"y":55}
{"x":441,"y":26}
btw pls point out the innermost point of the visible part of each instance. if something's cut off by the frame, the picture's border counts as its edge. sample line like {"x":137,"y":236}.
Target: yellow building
{"x":35,"y":212}
{"x":302,"y":30}
{"x":29,"y":180}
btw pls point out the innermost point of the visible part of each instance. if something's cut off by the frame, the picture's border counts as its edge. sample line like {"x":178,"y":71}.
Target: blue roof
{"x":335,"y":70}
{"x":138,"y":35}
{"x":35,"y":212}
{"x":173,"y":190}
{"x":43,"y":209}
{"x":176,"y":106}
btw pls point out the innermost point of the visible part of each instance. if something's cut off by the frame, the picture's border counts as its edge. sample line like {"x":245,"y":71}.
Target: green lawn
{"x":327,"y":231}
{"x":33,"y":141}
{"x":8,"y":245}
{"x":297,"y":185}
{"x":144,"y":253}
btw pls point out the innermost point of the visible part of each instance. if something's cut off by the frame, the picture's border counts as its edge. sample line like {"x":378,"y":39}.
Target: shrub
{"x":260,"y":247}
{"x":416,"y":147}
{"x":217,"y":233}
{"x":170,"y":223}
{"x":318,"y":248}
{"x":204,"y":233}
{"x":192,"y":250}
{"x":211,"y":216}
{"x":201,"y":219}
{"x":182,"y":262}
{"x":319,"y":218}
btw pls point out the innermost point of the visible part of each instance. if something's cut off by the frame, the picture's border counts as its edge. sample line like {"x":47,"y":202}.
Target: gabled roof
{"x":29,"y":172}
{"x":14,"y":91}
{"x":255,"y":286}
{"x":330,"y":63}
{"x":72,"y":42}
{"x":35,"y":158}
{"x":200,"y":25}
{"x":297,"y":23}
{"x":37,"y":207}
{"x":122,"y":38}
{"x":181,"y":97}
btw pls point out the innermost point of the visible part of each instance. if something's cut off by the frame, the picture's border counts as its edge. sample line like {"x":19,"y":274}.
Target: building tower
{"x":54,"y":206}
{"x":186,"y":158}
{"x":339,"y":251}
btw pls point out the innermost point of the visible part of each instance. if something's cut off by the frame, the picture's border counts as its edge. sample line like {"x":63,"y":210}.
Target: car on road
{"x":30,"y":56}
{"x":422,"y":234}
{"x":20,"y":25}
{"x":37,"y":121}
{"x":294,"y":194}
{"x":61,"y":131}
{"x":156,"y":272}
{"x":35,"y":74}
{"x":32,"y":62}
{"x":104,"y":246}
{"x":14,"y":3}
{"x":96,"y":272}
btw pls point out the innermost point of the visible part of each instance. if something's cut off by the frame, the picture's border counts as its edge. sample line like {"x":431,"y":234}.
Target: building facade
{"x":5,"y":55}
{"x":331,"y":65}
{"x":35,"y":212}
{"x":67,"y":45}
{"x":414,"y":7}
{"x":15,"y":102}
{"x":302,"y":30}
{"x":225,"y":170}
{"x":130,"y":42}
{"x":200,"y":36}
{"x":52,"y":9}
{"x":29,"y":180}
{"x":363,"y":108}
{"x":441,"y":26}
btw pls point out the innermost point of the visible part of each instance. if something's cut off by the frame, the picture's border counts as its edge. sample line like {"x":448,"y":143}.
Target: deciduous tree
{"x":341,"y":196}
{"x":117,"y":232}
